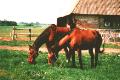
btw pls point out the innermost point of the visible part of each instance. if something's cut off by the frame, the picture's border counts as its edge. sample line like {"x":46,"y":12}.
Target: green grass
{"x":6,"y":30}
{"x":26,"y":43}
{"x":16,"y":43}
{"x":13,"y":66}
{"x":112,"y":46}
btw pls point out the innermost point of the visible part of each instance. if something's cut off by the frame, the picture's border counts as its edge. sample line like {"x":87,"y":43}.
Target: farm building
{"x":68,"y":19}
{"x":101,"y":13}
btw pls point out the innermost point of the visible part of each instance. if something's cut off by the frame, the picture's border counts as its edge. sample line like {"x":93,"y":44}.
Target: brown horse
{"x":49,"y":36}
{"x":82,"y":40}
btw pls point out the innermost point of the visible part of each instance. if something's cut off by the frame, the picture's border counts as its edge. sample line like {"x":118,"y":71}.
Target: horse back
{"x":85,"y":38}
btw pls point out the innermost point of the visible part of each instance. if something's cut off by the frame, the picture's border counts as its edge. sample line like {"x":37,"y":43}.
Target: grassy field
{"x":15,"y":43}
{"x":13,"y":66}
{"x":26,"y":43}
{"x":6,"y":30}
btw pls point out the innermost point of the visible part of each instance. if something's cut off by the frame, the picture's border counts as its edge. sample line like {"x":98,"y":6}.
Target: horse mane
{"x":51,"y":34}
{"x":43,"y":37}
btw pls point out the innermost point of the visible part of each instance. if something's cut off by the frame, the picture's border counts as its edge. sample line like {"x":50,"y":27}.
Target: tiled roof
{"x":99,"y":7}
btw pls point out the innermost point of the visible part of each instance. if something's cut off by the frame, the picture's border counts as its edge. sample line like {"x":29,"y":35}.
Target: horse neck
{"x":40,"y":41}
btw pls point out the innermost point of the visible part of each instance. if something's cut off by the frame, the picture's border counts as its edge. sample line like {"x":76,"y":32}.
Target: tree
{"x":8,"y":23}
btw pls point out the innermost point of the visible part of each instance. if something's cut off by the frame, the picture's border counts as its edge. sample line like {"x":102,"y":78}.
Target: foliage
{"x":8,"y":23}
{"x":29,"y":24}
{"x":13,"y":66}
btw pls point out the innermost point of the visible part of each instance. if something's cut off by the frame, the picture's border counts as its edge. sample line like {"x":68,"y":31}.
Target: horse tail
{"x":99,"y":39}
{"x":101,"y":51}
{"x":64,"y":40}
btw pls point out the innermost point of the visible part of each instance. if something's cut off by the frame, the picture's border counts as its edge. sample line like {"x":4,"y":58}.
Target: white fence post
{"x":13,"y":33}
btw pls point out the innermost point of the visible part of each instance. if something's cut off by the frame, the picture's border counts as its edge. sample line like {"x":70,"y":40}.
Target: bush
{"x":8,"y":23}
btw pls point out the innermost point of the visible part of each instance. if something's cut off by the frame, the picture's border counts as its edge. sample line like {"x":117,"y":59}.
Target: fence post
{"x":13,"y":33}
{"x":30,"y":34}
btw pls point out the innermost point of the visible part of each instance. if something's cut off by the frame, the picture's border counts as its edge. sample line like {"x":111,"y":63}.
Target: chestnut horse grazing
{"x":49,"y":36}
{"x":83,"y":40}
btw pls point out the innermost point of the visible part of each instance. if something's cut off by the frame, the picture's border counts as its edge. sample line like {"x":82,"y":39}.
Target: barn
{"x":101,"y":13}
{"x":68,"y":19}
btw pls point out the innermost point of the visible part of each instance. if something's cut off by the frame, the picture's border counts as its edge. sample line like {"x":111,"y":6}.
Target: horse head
{"x":32,"y":54}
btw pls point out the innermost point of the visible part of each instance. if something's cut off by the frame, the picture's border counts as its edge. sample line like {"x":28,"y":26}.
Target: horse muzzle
{"x":31,"y":61}
{"x":51,"y":59}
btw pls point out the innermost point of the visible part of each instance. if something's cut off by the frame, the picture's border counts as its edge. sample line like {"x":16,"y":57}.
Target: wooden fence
{"x":108,"y":35}
{"x":14,"y":34}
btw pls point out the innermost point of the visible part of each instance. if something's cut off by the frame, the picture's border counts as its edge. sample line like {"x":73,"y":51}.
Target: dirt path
{"x":20,"y":48}
{"x":25,"y":48}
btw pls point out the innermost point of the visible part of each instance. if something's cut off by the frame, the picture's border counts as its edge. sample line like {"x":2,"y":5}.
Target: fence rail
{"x":14,"y":34}
{"x":108,"y":35}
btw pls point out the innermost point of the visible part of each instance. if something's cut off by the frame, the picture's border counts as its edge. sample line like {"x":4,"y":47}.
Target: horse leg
{"x":72,"y":52}
{"x":96,"y":56}
{"x":80,"y":58}
{"x":67,"y":55}
{"x":50,"y":54}
{"x":92,"y":57}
